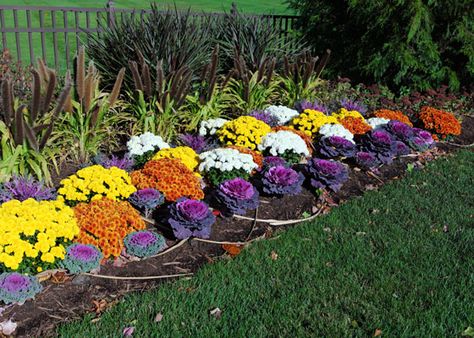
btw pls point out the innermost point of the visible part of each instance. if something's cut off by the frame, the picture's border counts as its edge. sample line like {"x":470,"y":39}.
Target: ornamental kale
{"x":198,"y":143}
{"x":336,"y":146}
{"x":314,"y":105}
{"x":272,"y":161}
{"x":237,"y":196}
{"x":399,"y":130}
{"x":422,"y":140}
{"x":125,"y":163}
{"x":381,"y":144}
{"x":401,"y":148}
{"x":353,"y":105}
{"x":82,"y":258}
{"x":17,"y":288}
{"x":190,"y":218}
{"x":366,"y":160}
{"x":265,"y":116}
{"x":146,"y":200}
{"x":327,"y":173}
{"x":21,"y":188}
{"x":144,"y":243}
{"x":281,"y":180}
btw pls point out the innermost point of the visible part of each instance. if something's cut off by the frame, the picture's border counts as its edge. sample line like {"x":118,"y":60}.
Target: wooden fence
{"x":55,"y":33}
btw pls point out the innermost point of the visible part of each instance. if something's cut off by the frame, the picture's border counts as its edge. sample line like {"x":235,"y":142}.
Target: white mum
{"x":376,"y":122}
{"x":330,"y":129}
{"x":277,"y":143}
{"x":226,"y":159}
{"x":209,"y":127}
{"x":139,"y":145}
{"x":282,"y":114}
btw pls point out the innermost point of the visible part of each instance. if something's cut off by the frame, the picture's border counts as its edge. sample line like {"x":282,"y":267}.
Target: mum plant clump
{"x":281,"y":114}
{"x":245,"y":131}
{"x":186,"y":155}
{"x":285,"y":144}
{"x":393,"y":115}
{"x":310,"y":121}
{"x":190,"y":218}
{"x":81,"y":258}
{"x":439,"y":122}
{"x":144,"y":243}
{"x":142,"y":148}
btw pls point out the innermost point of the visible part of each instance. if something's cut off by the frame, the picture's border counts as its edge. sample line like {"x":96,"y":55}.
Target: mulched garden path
{"x":66,"y":298}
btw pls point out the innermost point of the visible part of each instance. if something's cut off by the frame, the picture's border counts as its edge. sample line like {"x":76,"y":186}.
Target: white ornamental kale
{"x":139,"y":145}
{"x":226,"y":159}
{"x":282,"y":114}
{"x":330,"y":129}
{"x":280,"y":142}
{"x":377,"y":122}
{"x":209,"y":127}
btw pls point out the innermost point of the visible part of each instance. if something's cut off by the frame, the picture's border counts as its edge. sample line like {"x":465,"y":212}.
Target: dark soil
{"x":63,"y":301}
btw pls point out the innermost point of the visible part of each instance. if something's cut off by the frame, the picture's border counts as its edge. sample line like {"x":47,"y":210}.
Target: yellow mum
{"x":343,"y":113}
{"x":186,"y":155}
{"x":310,"y":121}
{"x":245,"y":131}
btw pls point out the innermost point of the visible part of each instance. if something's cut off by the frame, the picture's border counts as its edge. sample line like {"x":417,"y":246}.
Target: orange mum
{"x":306,"y":138}
{"x":104,"y":223}
{"x":355,"y":125}
{"x":170,"y":177}
{"x":439,"y":122}
{"x":257,"y":156}
{"x":393,"y":115}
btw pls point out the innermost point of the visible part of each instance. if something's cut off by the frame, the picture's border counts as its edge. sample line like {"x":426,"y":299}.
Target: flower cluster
{"x":377,"y":122}
{"x":146,"y":200}
{"x":222,"y":164}
{"x":336,"y":146}
{"x":236,"y":196}
{"x":17,"y":288}
{"x":310,"y":121}
{"x":142,"y":147}
{"x":198,"y":143}
{"x":343,"y":113}
{"x":190,"y":218}
{"x":285,"y":144}
{"x":33,"y":233}
{"x":307,"y":139}
{"x":355,"y":125}
{"x":210,"y":127}
{"x":393,"y":115}
{"x":94,"y":182}
{"x":170,"y":177}
{"x":245,"y":131}
{"x":186,"y":155}
{"x":81,"y":258}
{"x":282,"y":114}
{"x":104,"y":223}
{"x":328,"y":130}
{"x":21,"y":188}
{"x":281,"y":180}
{"x":327,"y":173}
{"x":144,"y":243}
{"x":381,"y":143}
{"x":266,"y":117}
{"x":256,"y":155}
{"x":439,"y":122}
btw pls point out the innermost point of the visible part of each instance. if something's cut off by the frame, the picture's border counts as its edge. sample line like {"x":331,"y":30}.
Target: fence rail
{"x":55,"y":33}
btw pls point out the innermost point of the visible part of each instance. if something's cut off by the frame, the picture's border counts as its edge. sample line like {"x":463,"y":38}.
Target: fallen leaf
{"x":216,"y":313}
{"x":60,"y":277}
{"x":99,"y":305}
{"x":377,"y":333}
{"x":445,"y":228}
{"x":158,"y":317}
{"x":128,"y":331}
{"x":7,"y":327}
{"x":469,"y":332}
{"x":274,"y":255}
{"x":232,"y":249}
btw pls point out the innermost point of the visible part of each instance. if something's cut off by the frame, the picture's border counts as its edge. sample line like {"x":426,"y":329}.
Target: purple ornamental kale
{"x":146,"y":200}
{"x":327,"y":173}
{"x":381,"y":144}
{"x":422,"y":140}
{"x":265,"y":117}
{"x":190,"y":218}
{"x":401,"y":148}
{"x":22,"y":188}
{"x":17,"y":288}
{"x":399,"y":130}
{"x":272,"y":161}
{"x":353,"y":105}
{"x":366,"y":160}
{"x":197,"y":143}
{"x":144,"y":243}
{"x":81,"y":258}
{"x":336,"y":146}
{"x":236,"y":196}
{"x":125,"y":163}
{"x":315,"y":105}
{"x":281,"y":180}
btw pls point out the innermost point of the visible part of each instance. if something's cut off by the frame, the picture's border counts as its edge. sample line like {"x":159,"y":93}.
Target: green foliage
{"x":405,"y":43}
{"x":217,"y":176}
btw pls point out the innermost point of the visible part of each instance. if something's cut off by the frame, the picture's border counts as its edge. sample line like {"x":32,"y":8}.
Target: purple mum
{"x":366,"y":160}
{"x":197,"y":143}
{"x":336,"y":146}
{"x":353,"y":105}
{"x":237,"y":196}
{"x":81,"y":258}
{"x":314,"y":105}
{"x":147,"y":200}
{"x":144,"y":243}
{"x":381,"y":144}
{"x":327,"y":173}
{"x":17,"y":288}
{"x":281,"y":180}
{"x":190,"y":218}
{"x":265,"y":117}
{"x":21,"y":188}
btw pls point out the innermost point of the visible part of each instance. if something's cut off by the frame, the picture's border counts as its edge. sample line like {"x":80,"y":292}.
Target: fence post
{"x":110,"y":13}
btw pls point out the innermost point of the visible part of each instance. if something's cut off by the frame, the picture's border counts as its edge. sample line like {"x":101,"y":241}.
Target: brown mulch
{"x":66,"y":299}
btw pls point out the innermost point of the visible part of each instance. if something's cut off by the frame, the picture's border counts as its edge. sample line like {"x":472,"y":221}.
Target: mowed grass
{"x":400,"y":260}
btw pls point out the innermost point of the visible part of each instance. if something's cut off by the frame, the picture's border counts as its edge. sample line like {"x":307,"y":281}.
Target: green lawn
{"x":400,"y":260}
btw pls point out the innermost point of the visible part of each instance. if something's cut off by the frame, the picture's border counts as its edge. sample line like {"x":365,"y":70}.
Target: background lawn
{"x":399,"y":260}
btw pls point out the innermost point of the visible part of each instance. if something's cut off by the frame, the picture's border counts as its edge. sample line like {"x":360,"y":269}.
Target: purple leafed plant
{"x":197,"y":143}
{"x":314,"y":105}
{"x":17,"y":288}
{"x":353,"y":105}
{"x":281,"y":180}
{"x":81,"y":258}
{"x":125,"y":163}
{"x":399,"y":130}
{"x":381,"y":143}
{"x":265,"y":117}
{"x":144,"y":243}
{"x":327,"y":173}
{"x":336,"y":146}
{"x":366,"y":160}
{"x":190,"y":218}
{"x":22,"y":188}
{"x":236,"y":196}
{"x":272,"y":161}
{"x":422,"y":140}
{"x":146,"y":200}
{"x":401,"y":148}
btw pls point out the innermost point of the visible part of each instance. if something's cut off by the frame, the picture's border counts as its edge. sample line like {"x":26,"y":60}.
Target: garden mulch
{"x":66,"y":298}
